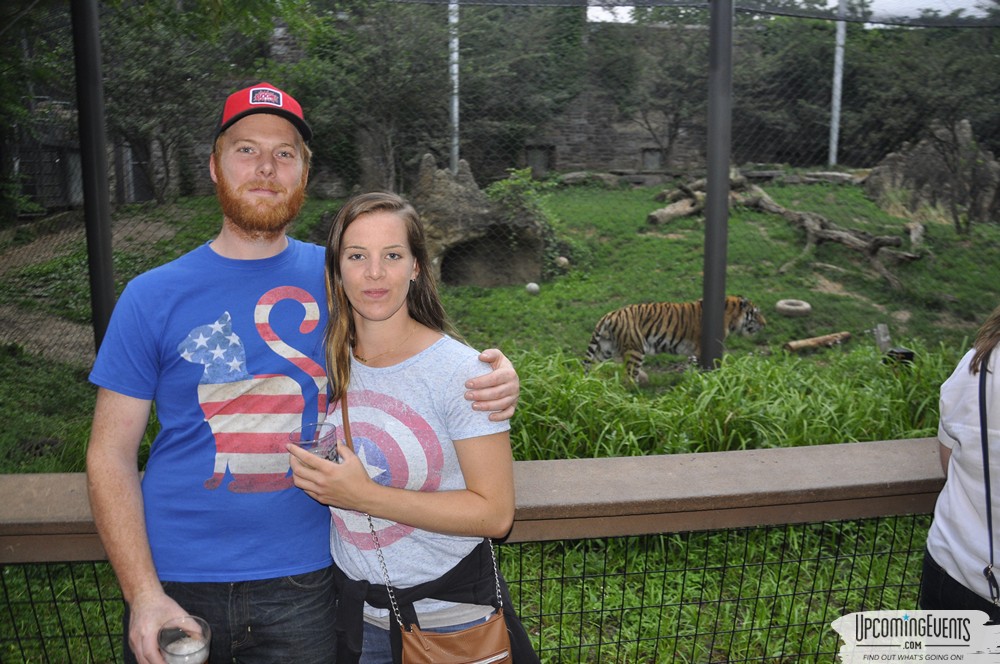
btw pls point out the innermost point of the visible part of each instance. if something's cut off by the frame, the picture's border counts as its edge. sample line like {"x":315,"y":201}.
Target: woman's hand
{"x":337,"y":483}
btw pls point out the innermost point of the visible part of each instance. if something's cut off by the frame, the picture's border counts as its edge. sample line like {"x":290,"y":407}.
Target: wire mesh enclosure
{"x":765,"y":594}
{"x":872,"y":115}
{"x":572,"y":91}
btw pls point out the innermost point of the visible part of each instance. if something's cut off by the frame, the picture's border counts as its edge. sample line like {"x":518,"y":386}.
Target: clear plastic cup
{"x":185,"y":640}
{"x":319,"y":438}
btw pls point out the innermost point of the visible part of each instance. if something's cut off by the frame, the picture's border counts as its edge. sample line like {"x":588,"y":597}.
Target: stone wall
{"x":589,"y":136}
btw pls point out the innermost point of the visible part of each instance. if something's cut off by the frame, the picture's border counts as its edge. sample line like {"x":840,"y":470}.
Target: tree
{"x":32,"y":67}
{"x":672,"y":62}
{"x":782,"y":90}
{"x":655,"y":71}
{"x":375,"y":80}
{"x":164,"y":68}
{"x":378,"y":80}
{"x":938,"y":82}
{"x":521,"y":67}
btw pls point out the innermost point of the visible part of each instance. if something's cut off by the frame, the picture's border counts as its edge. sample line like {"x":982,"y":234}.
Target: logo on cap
{"x":262,"y":98}
{"x":265,"y":96}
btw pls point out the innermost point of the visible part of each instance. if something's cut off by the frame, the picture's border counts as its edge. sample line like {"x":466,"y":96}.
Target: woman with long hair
{"x":429,"y":480}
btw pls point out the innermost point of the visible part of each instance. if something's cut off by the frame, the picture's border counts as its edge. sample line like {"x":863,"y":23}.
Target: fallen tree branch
{"x":819,"y":229}
{"x":815,"y":342}
{"x":689,"y":199}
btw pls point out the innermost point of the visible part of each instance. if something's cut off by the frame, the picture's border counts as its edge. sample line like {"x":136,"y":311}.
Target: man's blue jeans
{"x":274,"y":621}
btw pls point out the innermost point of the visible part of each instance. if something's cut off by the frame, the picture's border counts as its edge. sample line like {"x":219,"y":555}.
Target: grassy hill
{"x":621,"y":259}
{"x":761,"y":396}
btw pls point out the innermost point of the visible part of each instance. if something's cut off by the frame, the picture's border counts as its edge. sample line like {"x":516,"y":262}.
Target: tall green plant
{"x":749,"y":402}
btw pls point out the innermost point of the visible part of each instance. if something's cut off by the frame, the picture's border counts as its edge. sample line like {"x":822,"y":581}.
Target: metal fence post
{"x":93,"y":146}
{"x":720,"y":102}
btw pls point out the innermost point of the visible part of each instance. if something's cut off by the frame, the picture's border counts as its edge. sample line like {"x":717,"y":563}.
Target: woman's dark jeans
{"x":939,"y":591}
{"x":274,"y":621}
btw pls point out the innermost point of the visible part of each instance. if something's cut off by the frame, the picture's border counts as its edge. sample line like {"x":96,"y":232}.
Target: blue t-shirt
{"x":231,"y":353}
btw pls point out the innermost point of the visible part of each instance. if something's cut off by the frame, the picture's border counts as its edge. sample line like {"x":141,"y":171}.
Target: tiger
{"x":637,"y":330}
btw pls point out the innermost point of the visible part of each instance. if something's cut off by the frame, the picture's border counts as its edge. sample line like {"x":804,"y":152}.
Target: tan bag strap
{"x":347,"y":425}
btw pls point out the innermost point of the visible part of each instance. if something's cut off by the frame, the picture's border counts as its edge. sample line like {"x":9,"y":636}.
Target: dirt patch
{"x":824,"y":285}
{"x":128,"y":235}
{"x":51,"y":336}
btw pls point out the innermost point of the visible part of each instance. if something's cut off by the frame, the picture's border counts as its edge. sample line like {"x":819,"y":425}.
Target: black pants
{"x":938,"y":590}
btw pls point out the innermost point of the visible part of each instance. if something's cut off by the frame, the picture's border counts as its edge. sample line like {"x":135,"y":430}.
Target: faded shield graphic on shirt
{"x":384,"y":429}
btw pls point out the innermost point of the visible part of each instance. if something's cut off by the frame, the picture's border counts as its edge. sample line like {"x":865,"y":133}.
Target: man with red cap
{"x":226,"y":341}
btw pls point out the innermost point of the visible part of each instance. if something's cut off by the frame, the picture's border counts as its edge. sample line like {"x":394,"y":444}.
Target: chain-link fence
{"x":897,"y":105}
{"x":554,"y":87}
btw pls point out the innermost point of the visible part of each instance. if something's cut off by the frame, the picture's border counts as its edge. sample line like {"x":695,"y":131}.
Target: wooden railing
{"x":46,"y":517}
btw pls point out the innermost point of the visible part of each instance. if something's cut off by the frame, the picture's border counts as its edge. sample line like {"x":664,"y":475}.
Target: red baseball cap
{"x":262,"y":98}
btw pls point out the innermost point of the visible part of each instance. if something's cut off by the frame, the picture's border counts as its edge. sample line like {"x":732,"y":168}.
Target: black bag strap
{"x":985,"y":437}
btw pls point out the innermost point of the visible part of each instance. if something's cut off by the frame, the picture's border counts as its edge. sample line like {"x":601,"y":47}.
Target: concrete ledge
{"x":46,"y":517}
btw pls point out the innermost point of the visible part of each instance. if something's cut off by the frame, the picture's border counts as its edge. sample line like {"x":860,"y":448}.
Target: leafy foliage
{"x":652,"y":74}
{"x":923,"y":76}
{"x":164,"y":103}
{"x":750,"y":402}
{"x":30,"y":59}
{"x":519,"y":196}
{"x":363,"y":83}
{"x":46,"y":413}
{"x":375,"y":78}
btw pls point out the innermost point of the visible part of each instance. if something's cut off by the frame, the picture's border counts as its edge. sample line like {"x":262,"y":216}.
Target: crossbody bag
{"x":484,"y":643}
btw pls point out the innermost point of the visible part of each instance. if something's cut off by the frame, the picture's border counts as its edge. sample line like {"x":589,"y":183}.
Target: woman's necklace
{"x":366,"y":360}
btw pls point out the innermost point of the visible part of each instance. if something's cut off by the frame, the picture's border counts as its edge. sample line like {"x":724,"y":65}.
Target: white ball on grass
{"x":532,"y":288}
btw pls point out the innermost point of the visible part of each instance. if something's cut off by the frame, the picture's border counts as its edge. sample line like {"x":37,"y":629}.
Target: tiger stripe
{"x":637,"y":330}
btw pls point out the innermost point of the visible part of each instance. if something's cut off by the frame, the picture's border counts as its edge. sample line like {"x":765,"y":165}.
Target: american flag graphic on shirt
{"x":250,"y":415}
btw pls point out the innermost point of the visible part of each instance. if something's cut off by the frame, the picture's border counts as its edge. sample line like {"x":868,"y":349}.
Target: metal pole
{"x":720,"y":104}
{"x":93,"y":156}
{"x":838,"y":79}
{"x":453,"y":71}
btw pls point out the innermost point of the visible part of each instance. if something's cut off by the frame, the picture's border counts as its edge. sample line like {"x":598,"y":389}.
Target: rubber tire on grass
{"x":793,"y":308}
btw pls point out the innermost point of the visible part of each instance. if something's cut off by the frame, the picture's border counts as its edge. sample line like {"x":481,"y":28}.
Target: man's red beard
{"x":260,"y":218}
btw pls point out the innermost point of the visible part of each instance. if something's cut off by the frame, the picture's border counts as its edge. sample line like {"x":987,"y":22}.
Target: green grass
{"x":46,"y":413}
{"x":752,"y":401}
{"x":947,"y":293}
{"x":739,"y":595}
{"x":761,"y":396}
